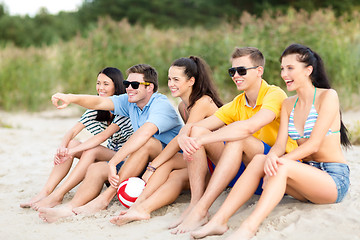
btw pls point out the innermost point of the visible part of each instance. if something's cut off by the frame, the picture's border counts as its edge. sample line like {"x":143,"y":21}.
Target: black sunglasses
{"x":241,"y":70}
{"x":134,"y":85}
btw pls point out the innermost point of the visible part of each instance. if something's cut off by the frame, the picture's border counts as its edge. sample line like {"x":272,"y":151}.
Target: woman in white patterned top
{"x":104,"y":125}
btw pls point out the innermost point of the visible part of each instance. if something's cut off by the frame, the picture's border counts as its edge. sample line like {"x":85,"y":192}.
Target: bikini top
{"x":309,"y":123}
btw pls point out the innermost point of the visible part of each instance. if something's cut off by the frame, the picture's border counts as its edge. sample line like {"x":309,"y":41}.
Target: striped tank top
{"x":309,"y":123}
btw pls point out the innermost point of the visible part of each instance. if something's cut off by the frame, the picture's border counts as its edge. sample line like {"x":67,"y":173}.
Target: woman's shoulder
{"x":290,"y":101}
{"x":205,"y":100}
{"x":324,"y":92}
{"x":327,"y":95}
{"x":205,"y":106}
{"x":88,"y":114}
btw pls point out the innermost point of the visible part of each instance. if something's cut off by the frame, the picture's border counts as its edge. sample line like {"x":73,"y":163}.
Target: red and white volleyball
{"x":129,"y":190}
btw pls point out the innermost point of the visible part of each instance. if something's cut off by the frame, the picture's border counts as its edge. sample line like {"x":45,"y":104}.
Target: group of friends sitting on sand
{"x":262,"y":142}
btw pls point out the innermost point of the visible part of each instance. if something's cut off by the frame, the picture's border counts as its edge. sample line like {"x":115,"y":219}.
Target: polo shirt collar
{"x":259,"y":100}
{"x":149,"y":102}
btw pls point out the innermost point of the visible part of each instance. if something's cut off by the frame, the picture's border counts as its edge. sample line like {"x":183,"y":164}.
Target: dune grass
{"x":28,"y":77}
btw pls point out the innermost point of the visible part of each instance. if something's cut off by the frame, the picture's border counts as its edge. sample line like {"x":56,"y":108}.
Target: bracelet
{"x":151,"y":168}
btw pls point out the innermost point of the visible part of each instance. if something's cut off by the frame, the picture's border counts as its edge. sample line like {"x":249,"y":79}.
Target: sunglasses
{"x":134,"y":85}
{"x":240,"y":70}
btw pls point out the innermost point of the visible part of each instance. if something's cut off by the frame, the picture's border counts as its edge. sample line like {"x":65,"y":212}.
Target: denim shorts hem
{"x":339,"y":172}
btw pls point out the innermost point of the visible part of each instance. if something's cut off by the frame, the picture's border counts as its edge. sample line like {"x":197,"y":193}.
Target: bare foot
{"x":191,"y":222}
{"x":245,"y":232}
{"x":130,"y":216}
{"x":33,"y":200}
{"x":51,"y":215}
{"x":211,"y":228}
{"x":92,"y":207}
{"x":181,"y":218}
{"x":48,"y":202}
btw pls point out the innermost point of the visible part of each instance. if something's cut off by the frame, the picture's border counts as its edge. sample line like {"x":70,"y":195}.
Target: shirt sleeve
{"x":121,"y":105}
{"x":124,"y":123}
{"x":88,"y":117}
{"x":273,"y":100}
{"x":163,"y":115}
{"x":229,"y":112}
{"x":221,"y":113}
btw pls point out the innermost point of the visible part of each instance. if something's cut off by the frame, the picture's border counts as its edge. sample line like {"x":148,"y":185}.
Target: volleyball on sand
{"x":129,"y":190}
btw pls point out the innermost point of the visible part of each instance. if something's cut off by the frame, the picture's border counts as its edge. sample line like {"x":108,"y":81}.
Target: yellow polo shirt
{"x":270,"y":97}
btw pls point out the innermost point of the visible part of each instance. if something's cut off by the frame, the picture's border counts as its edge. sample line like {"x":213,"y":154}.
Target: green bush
{"x":28,"y":77}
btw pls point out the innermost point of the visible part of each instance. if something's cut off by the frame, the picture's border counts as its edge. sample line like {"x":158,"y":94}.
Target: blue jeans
{"x":339,"y":172}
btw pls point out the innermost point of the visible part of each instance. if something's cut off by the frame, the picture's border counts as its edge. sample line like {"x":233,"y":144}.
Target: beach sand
{"x":28,"y":142}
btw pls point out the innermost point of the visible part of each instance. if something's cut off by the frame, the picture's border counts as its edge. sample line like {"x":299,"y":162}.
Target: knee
{"x":259,"y":158}
{"x":174,"y":174}
{"x":178,"y":175}
{"x":97,"y":169}
{"x":283,"y":169}
{"x":257,"y":162}
{"x":235,"y":146}
{"x":198,"y":131}
{"x":90,"y":152}
{"x":73,"y":143}
{"x":150,"y":144}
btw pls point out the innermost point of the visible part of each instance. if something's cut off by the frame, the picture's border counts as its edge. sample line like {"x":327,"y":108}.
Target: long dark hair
{"x":116,"y":76}
{"x":204,"y":84}
{"x":318,"y":76}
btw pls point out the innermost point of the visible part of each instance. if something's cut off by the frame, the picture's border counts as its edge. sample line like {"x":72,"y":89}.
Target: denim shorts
{"x":340,"y":172}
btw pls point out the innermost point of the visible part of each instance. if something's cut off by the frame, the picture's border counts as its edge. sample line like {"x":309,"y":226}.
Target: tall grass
{"x":28,"y":77}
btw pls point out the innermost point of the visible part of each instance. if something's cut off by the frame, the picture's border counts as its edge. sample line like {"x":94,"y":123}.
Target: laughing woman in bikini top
{"x":314,"y":172}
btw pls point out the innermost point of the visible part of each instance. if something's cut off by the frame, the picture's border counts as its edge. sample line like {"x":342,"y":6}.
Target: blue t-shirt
{"x":158,"y":111}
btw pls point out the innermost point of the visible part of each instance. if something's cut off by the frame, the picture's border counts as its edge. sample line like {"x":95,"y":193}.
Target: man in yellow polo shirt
{"x":249,"y":126}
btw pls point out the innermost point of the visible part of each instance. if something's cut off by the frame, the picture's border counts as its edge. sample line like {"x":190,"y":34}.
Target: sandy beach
{"x":28,"y":142}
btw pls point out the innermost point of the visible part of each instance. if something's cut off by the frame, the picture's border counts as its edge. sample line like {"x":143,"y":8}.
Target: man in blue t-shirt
{"x":155,"y":124}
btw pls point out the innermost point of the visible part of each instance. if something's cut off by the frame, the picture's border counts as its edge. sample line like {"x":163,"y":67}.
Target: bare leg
{"x":308,"y":182}
{"x":88,"y":157}
{"x":242,"y":191}
{"x":91,"y":186}
{"x":160,"y":176}
{"x":57,"y":174}
{"x":133,"y":166}
{"x":166,"y":194}
{"x":198,"y":170}
{"x":225,"y":171}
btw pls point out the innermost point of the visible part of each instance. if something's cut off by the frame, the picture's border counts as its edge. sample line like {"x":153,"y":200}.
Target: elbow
{"x":251,"y":130}
{"x":315,"y":147}
{"x":147,"y":134}
{"x":252,"y":127}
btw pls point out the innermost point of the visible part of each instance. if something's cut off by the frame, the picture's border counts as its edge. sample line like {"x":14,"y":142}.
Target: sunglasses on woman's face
{"x":134,"y":85}
{"x":240,"y":70}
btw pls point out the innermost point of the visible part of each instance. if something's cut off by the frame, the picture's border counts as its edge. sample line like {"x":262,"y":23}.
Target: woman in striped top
{"x":314,"y":172}
{"x":104,"y":125}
